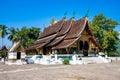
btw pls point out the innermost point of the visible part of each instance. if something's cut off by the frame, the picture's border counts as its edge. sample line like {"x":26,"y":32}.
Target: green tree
{"x":30,"y":36}
{"x":13,"y":34}
{"x":118,"y":46}
{"x":4,"y":52}
{"x":27,"y":36}
{"x":118,"y":49}
{"x":3,"y":32}
{"x":103,"y":29}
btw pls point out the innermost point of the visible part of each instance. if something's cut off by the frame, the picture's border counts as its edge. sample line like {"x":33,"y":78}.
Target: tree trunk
{"x":2,"y":42}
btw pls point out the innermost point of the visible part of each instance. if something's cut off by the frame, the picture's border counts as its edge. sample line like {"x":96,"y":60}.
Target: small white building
{"x":16,"y":53}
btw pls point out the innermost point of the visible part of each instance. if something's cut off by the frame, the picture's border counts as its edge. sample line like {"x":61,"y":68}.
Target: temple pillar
{"x":60,"y":50}
{"x":67,"y":50}
{"x":78,"y":46}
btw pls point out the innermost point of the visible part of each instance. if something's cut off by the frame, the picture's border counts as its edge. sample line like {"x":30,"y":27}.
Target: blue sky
{"x":38,"y":13}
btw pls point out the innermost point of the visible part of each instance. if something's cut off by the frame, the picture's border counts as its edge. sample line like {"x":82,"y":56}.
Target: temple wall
{"x":12,"y":56}
{"x":23,"y":55}
{"x":40,"y":51}
{"x":85,"y":37}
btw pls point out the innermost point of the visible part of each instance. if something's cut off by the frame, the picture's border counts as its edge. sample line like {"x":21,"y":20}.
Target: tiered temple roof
{"x":15,"y":46}
{"x":72,"y":35}
{"x":62,"y":34}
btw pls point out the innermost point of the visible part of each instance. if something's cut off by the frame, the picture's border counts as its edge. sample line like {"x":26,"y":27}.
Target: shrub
{"x":112,"y":54}
{"x":65,"y":61}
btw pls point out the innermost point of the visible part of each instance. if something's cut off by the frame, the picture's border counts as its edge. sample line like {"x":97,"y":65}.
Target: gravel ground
{"x":108,"y":71}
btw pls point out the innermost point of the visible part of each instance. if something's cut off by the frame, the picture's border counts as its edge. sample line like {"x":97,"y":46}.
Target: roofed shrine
{"x":66,"y":36}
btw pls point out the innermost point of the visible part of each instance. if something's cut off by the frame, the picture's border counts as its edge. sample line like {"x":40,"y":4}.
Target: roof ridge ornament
{"x":73,"y":16}
{"x":87,"y":12}
{"x":86,"y":18}
{"x":65,"y":15}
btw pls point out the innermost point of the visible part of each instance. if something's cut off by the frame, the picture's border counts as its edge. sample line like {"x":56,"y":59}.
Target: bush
{"x":65,"y":61}
{"x":112,"y":54}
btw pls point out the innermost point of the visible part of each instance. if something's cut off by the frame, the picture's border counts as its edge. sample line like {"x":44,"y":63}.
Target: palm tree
{"x":3,"y":32}
{"x":12,"y":34}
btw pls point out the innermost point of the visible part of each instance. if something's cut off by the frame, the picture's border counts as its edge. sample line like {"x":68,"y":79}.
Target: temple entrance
{"x":83,"y":49}
{"x":47,"y":50}
{"x":64,"y":51}
{"x":81,"y":45}
{"x":86,"y":47}
{"x":18,"y":55}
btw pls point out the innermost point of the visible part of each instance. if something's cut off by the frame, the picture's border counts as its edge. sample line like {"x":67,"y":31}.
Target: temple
{"x":16,"y":52}
{"x":66,"y":37}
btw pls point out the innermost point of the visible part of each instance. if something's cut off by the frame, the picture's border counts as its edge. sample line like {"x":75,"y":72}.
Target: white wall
{"x":23,"y":54}
{"x":12,"y":55}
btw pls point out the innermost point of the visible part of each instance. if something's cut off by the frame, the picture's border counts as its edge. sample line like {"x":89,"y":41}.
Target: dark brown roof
{"x":47,"y":35}
{"x":76,"y":29}
{"x":56,"y":40}
{"x":73,"y":34}
{"x":45,"y":39}
{"x":41,"y":42}
{"x":66,"y":27}
{"x":53,"y":29}
{"x":63,"y":34}
{"x":65,"y":43}
{"x":33,"y":46}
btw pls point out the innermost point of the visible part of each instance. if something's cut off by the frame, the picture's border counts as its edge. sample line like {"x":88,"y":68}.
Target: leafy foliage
{"x":13,"y":34}
{"x":118,"y":49}
{"x":27,"y":36}
{"x":3,"y":52}
{"x":65,"y":61}
{"x":103,"y":29}
{"x":3,"y":32}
